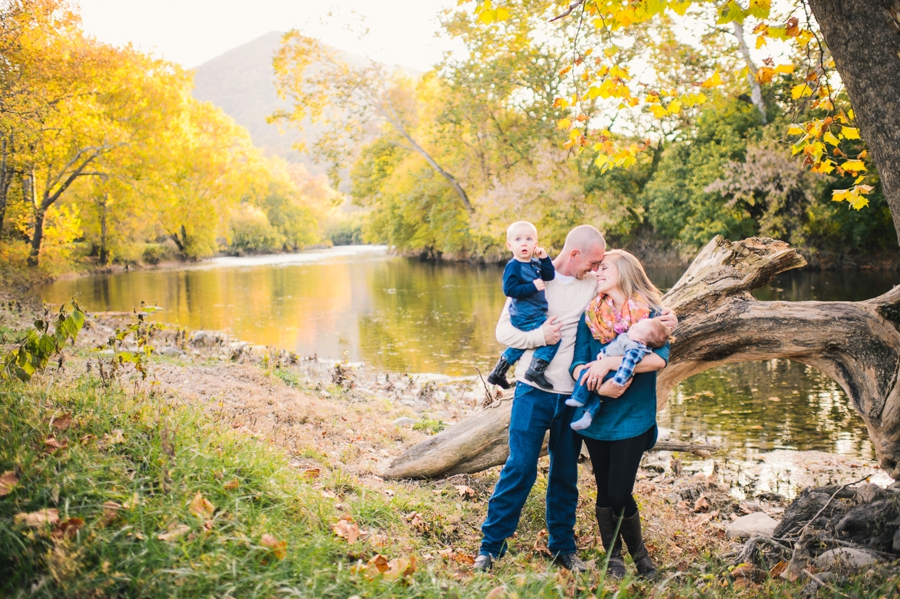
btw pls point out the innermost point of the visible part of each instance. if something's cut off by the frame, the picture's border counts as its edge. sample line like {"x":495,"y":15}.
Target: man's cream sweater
{"x":567,"y":300}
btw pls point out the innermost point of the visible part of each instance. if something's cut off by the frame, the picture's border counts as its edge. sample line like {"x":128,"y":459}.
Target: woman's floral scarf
{"x":606,"y":324}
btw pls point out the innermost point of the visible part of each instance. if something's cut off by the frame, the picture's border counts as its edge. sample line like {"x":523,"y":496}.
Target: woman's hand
{"x":668,"y":318}
{"x":596,"y":370}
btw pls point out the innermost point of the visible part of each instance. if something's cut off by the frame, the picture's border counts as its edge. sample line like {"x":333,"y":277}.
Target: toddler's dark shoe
{"x":535,"y":373}
{"x":498,"y":375}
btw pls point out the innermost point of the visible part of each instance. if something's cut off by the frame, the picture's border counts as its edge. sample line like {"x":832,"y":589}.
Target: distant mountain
{"x":242,"y":82}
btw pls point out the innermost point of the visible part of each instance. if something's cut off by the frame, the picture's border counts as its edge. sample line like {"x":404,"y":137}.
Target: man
{"x":535,"y":410}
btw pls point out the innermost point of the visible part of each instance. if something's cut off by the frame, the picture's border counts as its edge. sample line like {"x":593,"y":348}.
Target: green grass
{"x":154,"y":457}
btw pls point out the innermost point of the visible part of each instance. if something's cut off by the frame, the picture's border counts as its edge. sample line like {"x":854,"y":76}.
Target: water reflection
{"x":407,"y":316}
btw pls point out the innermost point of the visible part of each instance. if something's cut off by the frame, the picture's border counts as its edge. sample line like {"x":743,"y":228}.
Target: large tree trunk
{"x":864,"y":39}
{"x":856,"y":343}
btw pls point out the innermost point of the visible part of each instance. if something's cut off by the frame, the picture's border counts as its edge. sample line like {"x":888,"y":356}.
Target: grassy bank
{"x":174,"y":488}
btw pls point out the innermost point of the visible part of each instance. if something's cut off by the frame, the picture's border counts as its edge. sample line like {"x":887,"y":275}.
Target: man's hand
{"x":539,"y":283}
{"x":610,"y":389}
{"x":540,"y":252}
{"x":668,"y":318}
{"x":552,"y":330}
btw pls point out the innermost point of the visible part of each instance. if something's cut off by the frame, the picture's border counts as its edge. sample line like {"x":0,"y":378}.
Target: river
{"x":401,"y":315}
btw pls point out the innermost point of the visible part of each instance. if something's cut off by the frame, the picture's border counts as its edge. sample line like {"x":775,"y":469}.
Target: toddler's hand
{"x":540,"y":252}
{"x":539,"y":284}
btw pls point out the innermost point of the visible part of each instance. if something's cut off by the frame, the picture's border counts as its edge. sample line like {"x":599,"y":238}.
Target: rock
{"x":201,"y":338}
{"x":844,"y":556}
{"x":404,"y":421}
{"x":896,"y":545}
{"x":171,"y":351}
{"x":745,"y":527}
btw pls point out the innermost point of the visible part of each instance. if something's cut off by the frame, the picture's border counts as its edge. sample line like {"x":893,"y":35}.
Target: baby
{"x":523,"y":283}
{"x":643,"y":336}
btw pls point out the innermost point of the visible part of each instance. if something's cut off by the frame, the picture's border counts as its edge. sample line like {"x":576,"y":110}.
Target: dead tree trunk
{"x":855,"y":343}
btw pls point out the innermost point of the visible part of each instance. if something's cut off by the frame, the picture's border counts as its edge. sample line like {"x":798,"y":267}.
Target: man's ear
{"x":574,"y":254}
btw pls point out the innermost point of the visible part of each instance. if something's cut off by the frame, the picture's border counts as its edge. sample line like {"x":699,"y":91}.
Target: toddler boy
{"x":523,"y":282}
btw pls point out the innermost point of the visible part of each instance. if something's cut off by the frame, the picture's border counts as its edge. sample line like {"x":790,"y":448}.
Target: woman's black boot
{"x":535,"y":373}
{"x":631,"y":533}
{"x":607,"y":522}
{"x":498,"y":375}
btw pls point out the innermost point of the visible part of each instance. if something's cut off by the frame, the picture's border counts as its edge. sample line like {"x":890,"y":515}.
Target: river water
{"x":401,"y":315}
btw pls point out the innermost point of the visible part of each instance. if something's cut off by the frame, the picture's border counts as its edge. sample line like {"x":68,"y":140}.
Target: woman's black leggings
{"x":615,"y":468}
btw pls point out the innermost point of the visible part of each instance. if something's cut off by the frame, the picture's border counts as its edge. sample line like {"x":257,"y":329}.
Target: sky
{"x":191,"y":32}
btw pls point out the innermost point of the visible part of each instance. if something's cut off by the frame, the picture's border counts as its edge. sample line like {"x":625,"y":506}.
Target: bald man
{"x":536,"y":411}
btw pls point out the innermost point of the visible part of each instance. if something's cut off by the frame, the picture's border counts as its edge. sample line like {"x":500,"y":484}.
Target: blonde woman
{"x":625,"y":424}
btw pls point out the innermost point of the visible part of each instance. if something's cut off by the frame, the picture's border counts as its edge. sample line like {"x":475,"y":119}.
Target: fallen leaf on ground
{"x":175,"y":530}
{"x":780,"y":567}
{"x":62,"y":422}
{"x":231,"y":485}
{"x":463,"y":558}
{"x":201,"y":507}
{"x":311,"y":473}
{"x":400,"y":568}
{"x":38,"y":518}
{"x":465,"y":492}
{"x":702,"y":504}
{"x":496,"y":593}
{"x":375,"y":566}
{"x":416,"y":520}
{"x":279,"y":548}
{"x":110,"y":512}
{"x":68,"y":528}
{"x":84,"y":440}
{"x":55,"y":445}
{"x":7,"y":481}
{"x":347,"y":529}
{"x":115,"y":438}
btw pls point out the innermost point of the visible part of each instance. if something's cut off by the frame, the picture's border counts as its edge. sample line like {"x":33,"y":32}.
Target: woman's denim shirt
{"x":632,"y":413}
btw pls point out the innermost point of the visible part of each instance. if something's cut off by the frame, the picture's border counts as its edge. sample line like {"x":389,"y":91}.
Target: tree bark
{"x":755,"y":90}
{"x":855,"y":343}
{"x":864,"y":39}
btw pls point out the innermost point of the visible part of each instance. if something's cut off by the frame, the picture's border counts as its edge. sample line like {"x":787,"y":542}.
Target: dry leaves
{"x":38,"y":518}
{"x":110,"y":512}
{"x":54,"y":445}
{"x":702,"y":504}
{"x":174,"y":531}
{"x":496,"y":593}
{"x":61,"y":422}
{"x":201,"y":507}
{"x":68,"y":528}
{"x":231,"y":485}
{"x":465,"y":492}
{"x":115,"y":438}
{"x":395,"y":569}
{"x":311,"y":473}
{"x":7,"y":481}
{"x":416,"y":521}
{"x":346,"y":528}
{"x":278,"y":548}
{"x":457,"y":556}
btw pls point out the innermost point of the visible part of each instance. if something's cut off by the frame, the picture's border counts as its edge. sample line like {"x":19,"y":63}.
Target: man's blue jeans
{"x":529,"y":322}
{"x":534,"y":412}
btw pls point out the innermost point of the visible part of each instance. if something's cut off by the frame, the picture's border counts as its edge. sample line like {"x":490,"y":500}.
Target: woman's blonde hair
{"x":632,"y":278}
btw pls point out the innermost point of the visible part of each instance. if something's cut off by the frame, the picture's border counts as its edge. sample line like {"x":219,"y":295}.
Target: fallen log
{"x":855,"y":343}
{"x":480,"y":442}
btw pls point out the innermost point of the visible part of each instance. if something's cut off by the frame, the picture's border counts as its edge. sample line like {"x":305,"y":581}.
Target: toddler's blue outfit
{"x":528,"y":308}
{"x":632,"y":352}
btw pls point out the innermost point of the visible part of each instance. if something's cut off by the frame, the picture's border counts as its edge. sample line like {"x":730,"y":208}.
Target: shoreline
{"x":884,"y":261}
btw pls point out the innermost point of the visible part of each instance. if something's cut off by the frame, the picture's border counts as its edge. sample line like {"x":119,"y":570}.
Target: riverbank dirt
{"x":339,"y":417}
